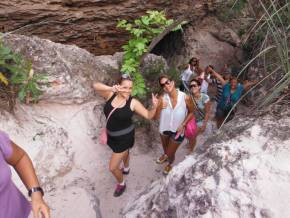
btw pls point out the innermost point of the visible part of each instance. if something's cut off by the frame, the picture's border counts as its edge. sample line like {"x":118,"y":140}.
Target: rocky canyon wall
{"x":89,"y":24}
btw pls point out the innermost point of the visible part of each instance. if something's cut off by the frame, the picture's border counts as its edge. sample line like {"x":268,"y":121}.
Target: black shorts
{"x":121,"y":143}
{"x":173,"y":136}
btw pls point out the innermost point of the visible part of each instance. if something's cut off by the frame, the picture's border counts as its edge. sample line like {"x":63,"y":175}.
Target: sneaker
{"x":125,"y":172}
{"x":119,"y":190}
{"x":167,"y":169}
{"x":162,"y":159}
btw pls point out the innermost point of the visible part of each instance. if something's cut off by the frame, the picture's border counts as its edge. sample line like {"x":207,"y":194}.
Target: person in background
{"x":202,"y":109}
{"x":193,"y":69}
{"x":214,"y":81}
{"x":175,"y":110}
{"x":12,"y":203}
{"x":232,"y":92}
{"x":120,"y":129}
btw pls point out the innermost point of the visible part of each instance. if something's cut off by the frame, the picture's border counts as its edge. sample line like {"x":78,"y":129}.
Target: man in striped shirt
{"x":214,"y":81}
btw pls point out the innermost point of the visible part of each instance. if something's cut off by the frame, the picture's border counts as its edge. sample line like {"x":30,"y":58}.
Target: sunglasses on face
{"x":167,"y":82}
{"x":193,"y":85}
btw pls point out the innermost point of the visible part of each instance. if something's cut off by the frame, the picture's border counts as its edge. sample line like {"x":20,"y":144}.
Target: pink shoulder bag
{"x":103,"y":135}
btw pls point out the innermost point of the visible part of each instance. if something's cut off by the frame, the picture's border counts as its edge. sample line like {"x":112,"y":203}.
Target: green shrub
{"x":142,"y":31}
{"x":18,"y":73}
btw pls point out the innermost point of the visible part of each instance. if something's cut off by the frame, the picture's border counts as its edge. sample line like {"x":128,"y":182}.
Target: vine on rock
{"x":142,"y":30}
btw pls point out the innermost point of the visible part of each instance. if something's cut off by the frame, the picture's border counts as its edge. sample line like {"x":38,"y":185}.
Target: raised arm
{"x":104,"y":90}
{"x":142,"y":111}
{"x":160,"y":106}
{"x":190,"y":108}
{"x":217,"y":75}
{"x":24,"y":167}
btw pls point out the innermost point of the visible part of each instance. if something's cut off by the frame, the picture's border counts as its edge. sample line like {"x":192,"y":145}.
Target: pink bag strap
{"x":112,"y":112}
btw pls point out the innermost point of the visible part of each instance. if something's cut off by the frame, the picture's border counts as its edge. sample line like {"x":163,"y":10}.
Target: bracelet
{"x":35,"y":189}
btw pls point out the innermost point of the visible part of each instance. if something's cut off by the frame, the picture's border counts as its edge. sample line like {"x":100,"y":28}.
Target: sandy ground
{"x":143,"y":172}
{"x":90,"y":163}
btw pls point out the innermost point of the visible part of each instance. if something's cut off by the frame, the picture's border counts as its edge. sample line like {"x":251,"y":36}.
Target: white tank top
{"x":171,"y":119}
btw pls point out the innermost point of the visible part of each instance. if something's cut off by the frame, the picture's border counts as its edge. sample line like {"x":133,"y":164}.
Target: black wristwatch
{"x":35,"y":189}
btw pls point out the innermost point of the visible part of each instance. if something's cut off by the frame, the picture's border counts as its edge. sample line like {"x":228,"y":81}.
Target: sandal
{"x":162,"y":159}
{"x":167,"y":169}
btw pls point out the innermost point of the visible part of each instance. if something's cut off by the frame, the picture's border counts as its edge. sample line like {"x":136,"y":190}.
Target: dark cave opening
{"x":170,"y":46}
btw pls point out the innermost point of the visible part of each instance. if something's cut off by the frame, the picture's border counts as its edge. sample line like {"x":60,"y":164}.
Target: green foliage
{"x":142,"y":31}
{"x":19,"y":74}
{"x":277,"y":29}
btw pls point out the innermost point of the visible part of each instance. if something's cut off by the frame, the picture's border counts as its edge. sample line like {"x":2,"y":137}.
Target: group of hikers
{"x":175,"y":108}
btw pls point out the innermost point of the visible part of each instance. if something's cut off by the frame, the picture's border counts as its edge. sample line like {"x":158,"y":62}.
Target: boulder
{"x":241,"y":172}
{"x":71,"y":70}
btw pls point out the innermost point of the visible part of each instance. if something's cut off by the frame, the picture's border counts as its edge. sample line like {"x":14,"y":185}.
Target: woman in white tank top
{"x":175,"y":110}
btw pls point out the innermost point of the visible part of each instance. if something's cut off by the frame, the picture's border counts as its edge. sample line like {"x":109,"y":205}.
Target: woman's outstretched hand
{"x":39,"y":206}
{"x":154,"y":100}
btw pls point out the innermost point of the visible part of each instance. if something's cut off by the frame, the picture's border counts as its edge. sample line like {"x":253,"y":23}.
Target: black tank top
{"x":121,"y":118}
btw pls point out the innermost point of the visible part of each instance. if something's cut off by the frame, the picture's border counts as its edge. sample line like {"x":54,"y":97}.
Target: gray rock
{"x":245,"y":173}
{"x":71,"y":70}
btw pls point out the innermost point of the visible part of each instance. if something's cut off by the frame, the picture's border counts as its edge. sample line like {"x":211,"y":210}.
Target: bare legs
{"x":164,"y":141}
{"x":169,"y":147}
{"x":126,"y":159}
{"x":192,"y":144}
{"x":115,"y":162}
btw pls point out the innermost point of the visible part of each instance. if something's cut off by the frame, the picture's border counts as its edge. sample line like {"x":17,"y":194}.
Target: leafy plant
{"x":143,"y":30}
{"x":17,"y":72}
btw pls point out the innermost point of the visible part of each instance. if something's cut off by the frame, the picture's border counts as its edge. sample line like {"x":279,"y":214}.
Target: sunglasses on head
{"x":193,"y":85}
{"x":126,"y":76}
{"x":167,"y":82}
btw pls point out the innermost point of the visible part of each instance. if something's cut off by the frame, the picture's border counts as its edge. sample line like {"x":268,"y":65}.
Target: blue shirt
{"x":228,"y":99}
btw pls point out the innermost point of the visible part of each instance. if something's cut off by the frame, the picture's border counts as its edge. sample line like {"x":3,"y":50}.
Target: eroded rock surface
{"x":243,"y":172}
{"x":208,"y":39}
{"x":60,"y":132}
{"x":89,"y":24}
{"x":71,"y":70}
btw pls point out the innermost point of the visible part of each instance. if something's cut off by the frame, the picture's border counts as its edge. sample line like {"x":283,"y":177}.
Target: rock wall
{"x":70,"y":70}
{"x":241,"y":172}
{"x":60,"y":132}
{"x":209,"y":39}
{"x":89,"y":24}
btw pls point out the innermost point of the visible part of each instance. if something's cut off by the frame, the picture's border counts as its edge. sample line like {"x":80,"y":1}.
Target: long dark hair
{"x":163,"y":76}
{"x":195,"y":80}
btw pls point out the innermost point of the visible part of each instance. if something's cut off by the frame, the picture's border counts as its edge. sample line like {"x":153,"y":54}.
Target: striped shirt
{"x":219,"y":87}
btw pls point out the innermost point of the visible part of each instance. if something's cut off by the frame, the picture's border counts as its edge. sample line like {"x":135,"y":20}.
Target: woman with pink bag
{"x":119,"y":109}
{"x":202,"y":108}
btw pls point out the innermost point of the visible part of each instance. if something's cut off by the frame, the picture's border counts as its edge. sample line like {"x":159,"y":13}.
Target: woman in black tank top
{"x":120,"y":129}
{"x":119,"y":122}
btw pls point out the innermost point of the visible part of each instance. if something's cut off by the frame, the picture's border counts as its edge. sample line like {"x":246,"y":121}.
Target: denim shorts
{"x":173,"y":136}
